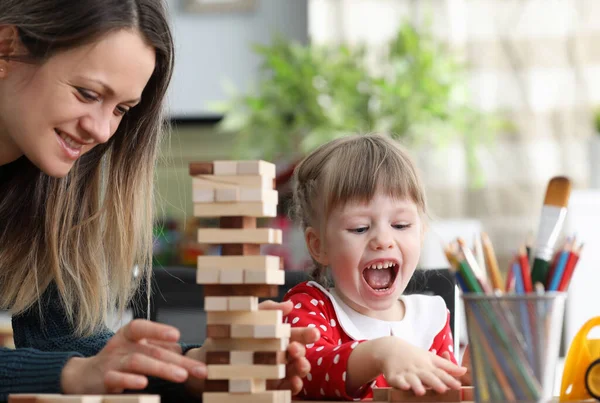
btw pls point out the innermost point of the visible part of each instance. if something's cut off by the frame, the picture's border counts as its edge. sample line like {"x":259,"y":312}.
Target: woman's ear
{"x":316,"y":247}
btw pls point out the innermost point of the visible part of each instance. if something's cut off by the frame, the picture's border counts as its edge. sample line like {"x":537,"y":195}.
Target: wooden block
{"x":58,"y":398}
{"x":252,"y":209}
{"x":272,"y":331}
{"x":267,"y":196}
{"x":261,"y":262}
{"x":244,"y":318}
{"x":231,"y":276}
{"x":203,"y":196}
{"x":260,"y":331}
{"x":201,"y":168}
{"x":269,"y":357}
{"x":247,"y":344}
{"x":228,"y":195}
{"x":218,"y":357}
{"x":22,"y":398}
{"x":231,"y":182}
{"x":241,"y":358}
{"x":216,"y":385}
{"x":382,"y":394}
{"x":245,"y":371}
{"x":408,"y":396}
{"x":240,"y":249}
{"x":218,"y":331}
{"x":258,"y":236}
{"x":216,"y":304}
{"x":246,"y":303}
{"x":131,"y":399}
{"x":258,"y":290}
{"x":264,"y":277}
{"x":467,"y":394}
{"x":248,"y":385}
{"x":237,"y":222}
{"x":206,"y":276}
{"x":269,"y":396}
{"x":259,"y":167}
{"x":225,"y":168}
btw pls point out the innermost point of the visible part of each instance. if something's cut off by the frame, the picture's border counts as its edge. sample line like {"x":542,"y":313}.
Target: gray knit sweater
{"x":43,"y":348}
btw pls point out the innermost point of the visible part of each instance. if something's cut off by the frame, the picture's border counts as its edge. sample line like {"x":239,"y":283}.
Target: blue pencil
{"x":560,"y":268}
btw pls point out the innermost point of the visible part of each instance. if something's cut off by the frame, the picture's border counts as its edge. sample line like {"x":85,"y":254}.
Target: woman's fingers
{"x":117,"y":382}
{"x":139,"y":363}
{"x":139,"y":329}
{"x":174,"y":347}
{"x":196,"y":368}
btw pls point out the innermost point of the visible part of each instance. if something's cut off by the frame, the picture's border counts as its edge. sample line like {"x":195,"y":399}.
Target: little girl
{"x":362,"y":208}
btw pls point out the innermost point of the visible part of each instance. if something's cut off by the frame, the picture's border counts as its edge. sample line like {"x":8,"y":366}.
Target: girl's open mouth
{"x":381,"y":275}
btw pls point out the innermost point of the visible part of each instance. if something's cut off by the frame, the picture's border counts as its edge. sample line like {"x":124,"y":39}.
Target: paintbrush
{"x":551,"y":223}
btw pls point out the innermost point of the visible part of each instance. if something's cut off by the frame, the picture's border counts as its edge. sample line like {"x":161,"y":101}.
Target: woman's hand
{"x":139,"y":349}
{"x":406,"y":366}
{"x":297,"y":364}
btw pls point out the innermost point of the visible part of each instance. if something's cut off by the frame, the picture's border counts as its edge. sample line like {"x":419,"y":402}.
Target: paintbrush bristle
{"x":558,"y":192}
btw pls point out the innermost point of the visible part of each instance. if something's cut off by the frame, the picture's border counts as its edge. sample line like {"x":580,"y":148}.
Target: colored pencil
{"x":525,"y":272}
{"x":568,"y":274}
{"x":557,"y":276}
{"x":492,"y":263}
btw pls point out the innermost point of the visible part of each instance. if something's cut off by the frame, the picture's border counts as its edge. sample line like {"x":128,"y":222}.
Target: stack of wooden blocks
{"x":246,"y":346}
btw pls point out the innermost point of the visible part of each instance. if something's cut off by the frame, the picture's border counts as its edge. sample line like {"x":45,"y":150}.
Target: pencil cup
{"x":514,"y":342}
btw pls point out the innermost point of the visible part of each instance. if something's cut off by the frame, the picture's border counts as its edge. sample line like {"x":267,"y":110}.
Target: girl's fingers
{"x":117,"y":382}
{"x":304,"y":335}
{"x":298,"y":367}
{"x":270,"y":305}
{"x":449,"y":366}
{"x":448,"y":379}
{"x":415,"y":384}
{"x":139,"y":329}
{"x":430,"y":379}
{"x":401,"y":382}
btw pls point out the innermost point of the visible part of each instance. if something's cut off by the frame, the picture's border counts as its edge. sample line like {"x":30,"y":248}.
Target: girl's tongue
{"x":379,"y":279}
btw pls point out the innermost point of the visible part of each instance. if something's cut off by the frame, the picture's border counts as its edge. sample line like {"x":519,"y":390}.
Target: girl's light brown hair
{"x":352,"y":169}
{"x":85,"y":232}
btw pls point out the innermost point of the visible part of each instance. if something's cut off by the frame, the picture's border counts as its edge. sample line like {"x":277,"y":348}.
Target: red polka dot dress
{"x":426,"y":324}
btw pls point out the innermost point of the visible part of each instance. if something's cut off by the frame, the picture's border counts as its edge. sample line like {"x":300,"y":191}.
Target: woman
{"x":82,"y":84}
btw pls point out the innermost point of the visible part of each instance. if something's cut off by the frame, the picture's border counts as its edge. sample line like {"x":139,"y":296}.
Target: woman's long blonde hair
{"x":351,"y":169}
{"x":85,"y":232}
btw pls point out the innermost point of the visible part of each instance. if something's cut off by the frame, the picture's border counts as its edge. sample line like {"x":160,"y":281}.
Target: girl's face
{"x":55,"y":112}
{"x":372,"y":250}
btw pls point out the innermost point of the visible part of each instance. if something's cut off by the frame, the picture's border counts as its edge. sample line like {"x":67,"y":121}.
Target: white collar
{"x":424,"y":317}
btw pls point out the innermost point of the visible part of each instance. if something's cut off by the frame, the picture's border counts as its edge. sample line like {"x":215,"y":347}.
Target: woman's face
{"x":55,"y":112}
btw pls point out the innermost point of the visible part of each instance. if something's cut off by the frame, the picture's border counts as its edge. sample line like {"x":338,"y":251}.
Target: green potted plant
{"x":308,"y":94}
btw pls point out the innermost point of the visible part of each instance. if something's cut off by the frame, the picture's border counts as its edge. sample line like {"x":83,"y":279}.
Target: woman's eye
{"x":359,"y":230}
{"x":121,"y":110}
{"x":88,"y":95}
{"x":401,"y":226}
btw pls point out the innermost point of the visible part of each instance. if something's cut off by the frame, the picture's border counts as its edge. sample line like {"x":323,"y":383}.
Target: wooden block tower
{"x":246,"y":346}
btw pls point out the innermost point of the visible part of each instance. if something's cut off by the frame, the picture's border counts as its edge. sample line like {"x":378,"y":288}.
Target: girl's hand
{"x":406,"y":366}
{"x":139,"y":349}
{"x":466,"y":379}
{"x":297,"y":364}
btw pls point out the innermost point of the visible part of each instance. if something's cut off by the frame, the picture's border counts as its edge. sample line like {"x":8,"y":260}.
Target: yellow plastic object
{"x":581,"y":375}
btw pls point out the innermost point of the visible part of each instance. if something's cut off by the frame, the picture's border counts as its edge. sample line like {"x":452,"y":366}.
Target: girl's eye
{"x":88,"y":95}
{"x":359,"y":230}
{"x":401,"y":226}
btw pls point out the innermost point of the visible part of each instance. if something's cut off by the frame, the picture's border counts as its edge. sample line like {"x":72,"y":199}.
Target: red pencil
{"x":525,"y":271}
{"x":570,"y":268}
{"x":510,"y":277}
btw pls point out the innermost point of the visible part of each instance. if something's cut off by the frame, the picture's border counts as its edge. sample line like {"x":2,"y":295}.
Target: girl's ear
{"x":315,"y":246}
